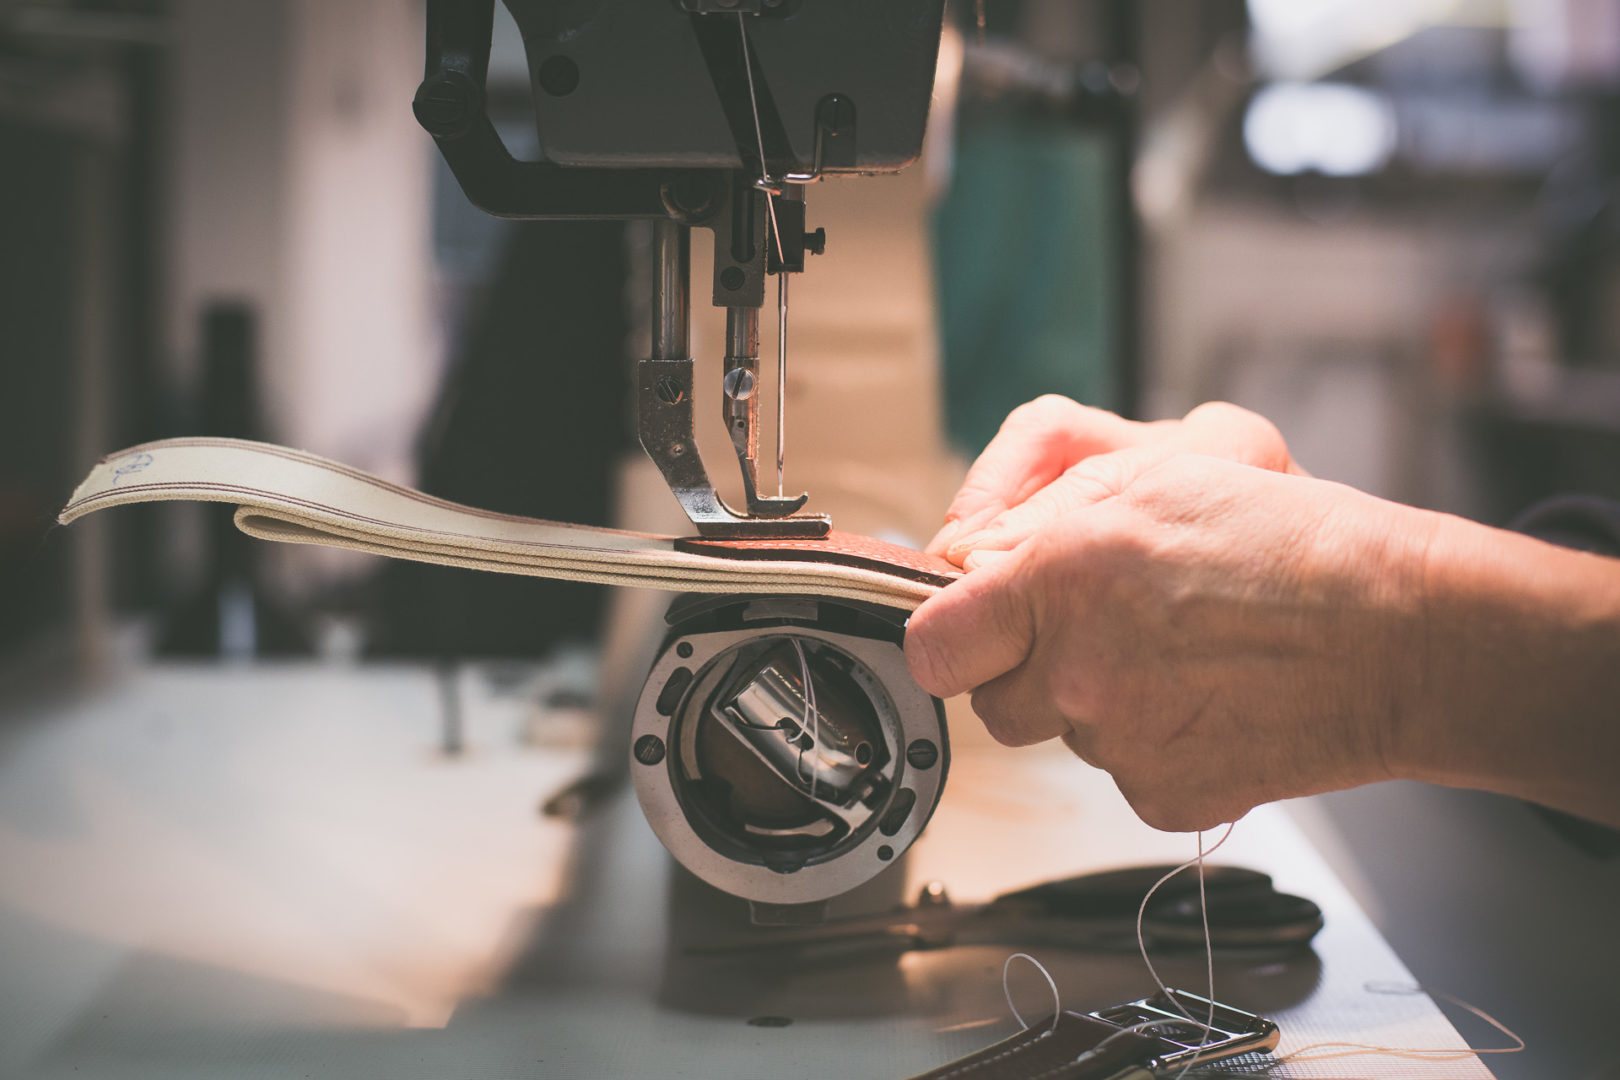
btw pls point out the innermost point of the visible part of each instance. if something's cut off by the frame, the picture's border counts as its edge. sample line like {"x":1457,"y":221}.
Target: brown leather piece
{"x":1047,"y":1052}
{"x":845,"y":549}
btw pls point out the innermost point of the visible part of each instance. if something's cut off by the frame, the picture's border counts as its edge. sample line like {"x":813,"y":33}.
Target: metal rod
{"x":741,"y":384}
{"x":781,"y":374}
{"x":671,"y":297}
{"x":742,"y":333}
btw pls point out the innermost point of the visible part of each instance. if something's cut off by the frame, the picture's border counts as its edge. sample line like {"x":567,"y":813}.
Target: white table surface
{"x":271,"y":871}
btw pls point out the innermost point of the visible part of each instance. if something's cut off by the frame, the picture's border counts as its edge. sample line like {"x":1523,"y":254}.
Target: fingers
{"x":973,"y":630}
{"x":1017,"y":708}
{"x":1221,"y":429}
{"x":1086,"y":484}
{"x":1037,"y":443}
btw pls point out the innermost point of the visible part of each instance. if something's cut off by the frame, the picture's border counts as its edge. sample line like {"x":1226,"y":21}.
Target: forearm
{"x":1517,"y":681}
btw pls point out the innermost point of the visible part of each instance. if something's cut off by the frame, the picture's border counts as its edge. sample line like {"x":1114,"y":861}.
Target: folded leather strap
{"x":1047,"y":1052}
{"x":291,"y":496}
{"x":845,"y":549}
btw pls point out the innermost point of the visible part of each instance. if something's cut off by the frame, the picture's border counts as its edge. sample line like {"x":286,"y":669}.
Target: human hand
{"x":1214,"y":635}
{"x":1043,"y":439}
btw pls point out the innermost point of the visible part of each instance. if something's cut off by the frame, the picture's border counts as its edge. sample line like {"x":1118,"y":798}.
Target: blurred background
{"x":1391,"y":226}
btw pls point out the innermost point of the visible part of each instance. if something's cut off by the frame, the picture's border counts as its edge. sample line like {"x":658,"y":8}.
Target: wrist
{"x":1518,"y":669}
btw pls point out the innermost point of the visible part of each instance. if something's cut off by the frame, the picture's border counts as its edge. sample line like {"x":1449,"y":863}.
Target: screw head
{"x":739,"y":384}
{"x":689,"y":198}
{"x":922,"y":754}
{"x":669,"y":390}
{"x":732,"y":277}
{"x":649,"y":750}
{"x":445,"y":104}
{"x":677,"y":449}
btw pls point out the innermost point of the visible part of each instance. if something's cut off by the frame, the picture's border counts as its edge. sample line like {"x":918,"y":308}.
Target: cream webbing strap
{"x":292,"y":496}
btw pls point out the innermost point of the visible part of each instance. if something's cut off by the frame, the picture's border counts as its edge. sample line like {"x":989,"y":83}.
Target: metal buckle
{"x":1185,"y":1042}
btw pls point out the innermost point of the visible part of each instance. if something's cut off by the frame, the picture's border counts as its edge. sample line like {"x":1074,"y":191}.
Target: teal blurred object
{"x":1026,"y":251}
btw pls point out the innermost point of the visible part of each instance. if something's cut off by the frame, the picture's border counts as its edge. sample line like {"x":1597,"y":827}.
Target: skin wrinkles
{"x":1186,"y":608}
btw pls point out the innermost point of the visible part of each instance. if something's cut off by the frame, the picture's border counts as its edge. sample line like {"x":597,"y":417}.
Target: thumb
{"x":1085,"y":484}
{"x":978,"y":627}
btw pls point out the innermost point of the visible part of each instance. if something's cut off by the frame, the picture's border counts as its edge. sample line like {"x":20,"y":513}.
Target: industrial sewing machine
{"x":781,"y":751}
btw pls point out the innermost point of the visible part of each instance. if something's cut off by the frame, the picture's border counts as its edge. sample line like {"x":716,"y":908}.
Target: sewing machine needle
{"x":781,"y":372}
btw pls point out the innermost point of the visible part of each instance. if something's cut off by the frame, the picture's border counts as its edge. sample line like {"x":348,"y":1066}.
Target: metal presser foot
{"x":665,"y":408}
{"x":781,"y":751}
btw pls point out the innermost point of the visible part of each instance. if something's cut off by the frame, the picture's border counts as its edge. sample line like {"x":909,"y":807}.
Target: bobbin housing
{"x":781,"y":750}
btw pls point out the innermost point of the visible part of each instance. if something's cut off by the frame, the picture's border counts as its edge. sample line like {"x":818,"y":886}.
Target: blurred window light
{"x":1330,"y":128}
{"x":1301,"y":40}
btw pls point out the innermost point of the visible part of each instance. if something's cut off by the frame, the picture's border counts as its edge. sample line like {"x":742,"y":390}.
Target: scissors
{"x":1093,"y":912}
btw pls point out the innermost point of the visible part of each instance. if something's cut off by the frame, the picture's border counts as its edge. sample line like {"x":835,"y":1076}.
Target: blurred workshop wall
{"x":1326,"y":327}
{"x":79,"y":113}
{"x":1034,"y":242}
{"x":1392,"y":228}
{"x":302,"y":187}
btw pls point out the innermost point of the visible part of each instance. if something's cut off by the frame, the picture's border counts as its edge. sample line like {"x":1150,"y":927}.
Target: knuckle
{"x":1008,"y":724}
{"x":1155,"y":809}
{"x":998,"y":721}
{"x":1048,"y":410}
{"x":1160,"y":808}
{"x":1053,"y":405}
{"x":1262,"y":443}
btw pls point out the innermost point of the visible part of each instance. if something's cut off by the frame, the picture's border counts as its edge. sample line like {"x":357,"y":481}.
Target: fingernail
{"x":985,"y":557}
{"x":964,"y":545}
{"x":942,"y":539}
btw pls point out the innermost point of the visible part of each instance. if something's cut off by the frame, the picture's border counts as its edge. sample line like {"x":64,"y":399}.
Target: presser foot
{"x":667,"y":431}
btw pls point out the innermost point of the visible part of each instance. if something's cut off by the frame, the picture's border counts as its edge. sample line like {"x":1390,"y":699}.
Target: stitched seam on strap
{"x":1016,"y":1048}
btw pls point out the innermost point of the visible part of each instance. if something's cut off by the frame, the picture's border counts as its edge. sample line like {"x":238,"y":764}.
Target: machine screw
{"x":885,"y":852}
{"x":688,"y":198}
{"x":445,"y":103}
{"x":677,"y":449}
{"x":669,"y":390}
{"x":816,"y":242}
{"x":739,"y":384}
{"x":732,"y":277}
{"x":649,"y":749}
{"x":922,"y":754}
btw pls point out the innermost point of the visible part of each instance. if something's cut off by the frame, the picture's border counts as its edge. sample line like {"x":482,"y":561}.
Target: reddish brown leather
{"x":847,"y":549}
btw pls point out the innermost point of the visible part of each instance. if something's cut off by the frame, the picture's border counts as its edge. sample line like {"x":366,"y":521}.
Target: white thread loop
{"x":1141,"y":913}
{"x":1006,"y":990}
{"x":1335,"y":1049}
{"x":812,"y":718}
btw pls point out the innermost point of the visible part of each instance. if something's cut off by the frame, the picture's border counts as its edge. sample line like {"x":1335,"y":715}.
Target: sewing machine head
{"x":781,"y":769}
{"x":713,"y":114}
